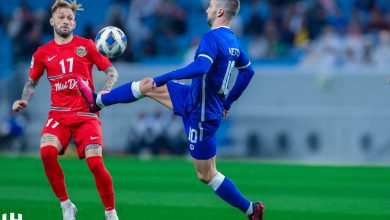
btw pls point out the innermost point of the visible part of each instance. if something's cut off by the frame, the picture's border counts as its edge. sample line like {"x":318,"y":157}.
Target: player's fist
{"x":19,"y":105}
{"x":225,"y":113}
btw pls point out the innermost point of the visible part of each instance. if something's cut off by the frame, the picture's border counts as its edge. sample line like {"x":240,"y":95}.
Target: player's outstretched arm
{"x":199,"y":67}
{"x":28,"y":93}
{"x":112,"y":76}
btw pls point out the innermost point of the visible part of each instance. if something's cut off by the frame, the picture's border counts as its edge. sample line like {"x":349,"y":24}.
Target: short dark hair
{"x":231,"y":7}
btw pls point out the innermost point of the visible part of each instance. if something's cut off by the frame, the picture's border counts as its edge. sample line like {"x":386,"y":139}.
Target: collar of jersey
{"x":221,"y":27}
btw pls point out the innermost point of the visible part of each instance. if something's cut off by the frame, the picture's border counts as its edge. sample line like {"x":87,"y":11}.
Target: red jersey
{"x":63,"y":64}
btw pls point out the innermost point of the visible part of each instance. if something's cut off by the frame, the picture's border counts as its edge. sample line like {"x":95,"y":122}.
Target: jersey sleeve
{"x":242,"y":61}
{"x":37,"y":66}
{"x":100,"y":61}
{"x":208,"y":47}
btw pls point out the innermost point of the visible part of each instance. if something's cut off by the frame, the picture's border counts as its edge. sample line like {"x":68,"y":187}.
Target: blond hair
{"x":72,"y":5}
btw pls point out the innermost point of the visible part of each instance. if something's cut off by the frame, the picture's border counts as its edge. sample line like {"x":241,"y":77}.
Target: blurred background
{"x":319,"y":94}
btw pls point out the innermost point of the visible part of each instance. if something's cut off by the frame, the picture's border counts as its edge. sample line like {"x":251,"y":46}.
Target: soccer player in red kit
{"x":65,"y":58}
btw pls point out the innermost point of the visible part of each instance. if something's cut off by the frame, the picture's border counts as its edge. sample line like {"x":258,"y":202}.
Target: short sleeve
{"x":242,"y":61}
{"x":37,"y":66}
{"x":208,"y":47}
{"x":97,"y":58}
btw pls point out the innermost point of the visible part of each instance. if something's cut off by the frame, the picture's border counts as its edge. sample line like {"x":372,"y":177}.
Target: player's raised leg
{"x":125,"y":93}
{"x":50,"y":146}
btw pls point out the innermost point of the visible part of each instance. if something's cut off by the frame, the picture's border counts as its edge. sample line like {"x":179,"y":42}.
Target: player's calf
{"x":53,"y":171}
{"x":103,"y":181}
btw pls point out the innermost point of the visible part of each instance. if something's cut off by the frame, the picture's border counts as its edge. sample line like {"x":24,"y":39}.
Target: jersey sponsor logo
{"x":234,"y":52}
{"x":69,"y":84}
{"x":93,"y":138}
{"x":81,"y":51}
{"x":50,"y":58}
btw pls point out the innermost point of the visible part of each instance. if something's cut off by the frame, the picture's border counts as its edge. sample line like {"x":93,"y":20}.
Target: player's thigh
{"x":205,"y":165}
{"x":88,"y":138}
{"x":48,"y":139}
{"x":55,"y":134}
{"x":93,"y":150}
{"x":160,"y":94}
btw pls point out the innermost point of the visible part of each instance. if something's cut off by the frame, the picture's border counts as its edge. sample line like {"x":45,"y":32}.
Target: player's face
{"x":63,"y":22}
{"x":211,"y":13}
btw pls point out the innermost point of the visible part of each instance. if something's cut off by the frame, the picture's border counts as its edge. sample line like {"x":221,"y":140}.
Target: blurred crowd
{"x":157,"y":133}
{"x":326,"y":32}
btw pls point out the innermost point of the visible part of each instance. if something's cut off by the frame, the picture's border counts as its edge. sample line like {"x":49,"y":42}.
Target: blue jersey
{"x":221,"y":47}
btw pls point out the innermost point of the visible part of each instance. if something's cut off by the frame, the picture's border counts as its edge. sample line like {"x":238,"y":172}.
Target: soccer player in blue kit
{"x":201,"y":104}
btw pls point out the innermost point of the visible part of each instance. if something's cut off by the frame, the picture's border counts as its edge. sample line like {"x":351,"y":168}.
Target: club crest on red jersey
{"x":81,"y":51}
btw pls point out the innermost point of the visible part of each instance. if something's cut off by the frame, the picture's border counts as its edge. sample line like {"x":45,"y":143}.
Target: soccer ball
{"x":111,"y":41}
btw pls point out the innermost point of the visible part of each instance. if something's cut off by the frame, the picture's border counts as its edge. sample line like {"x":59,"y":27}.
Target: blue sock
{"x":126,"y":93}
{"x":227,"y":191}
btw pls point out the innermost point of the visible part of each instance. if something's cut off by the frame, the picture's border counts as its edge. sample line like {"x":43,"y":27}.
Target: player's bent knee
{"x":144,"y":86}
{"x":48,"y":153}
{"x":205,"y":177}
{"x":95,"y":164}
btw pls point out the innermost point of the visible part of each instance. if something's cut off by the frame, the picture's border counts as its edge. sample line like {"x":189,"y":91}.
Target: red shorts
{"x":85,"y":129}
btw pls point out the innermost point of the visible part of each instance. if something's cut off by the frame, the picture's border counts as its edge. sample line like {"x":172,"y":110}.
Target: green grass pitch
{"x":168,"y":189}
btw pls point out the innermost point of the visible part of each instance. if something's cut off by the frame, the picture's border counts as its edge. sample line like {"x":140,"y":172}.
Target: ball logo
{"x":12,"y":217}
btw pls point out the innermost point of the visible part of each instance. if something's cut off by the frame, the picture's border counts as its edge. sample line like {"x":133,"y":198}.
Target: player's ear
{"x":220,"y":12}
{"x":52,"y":22}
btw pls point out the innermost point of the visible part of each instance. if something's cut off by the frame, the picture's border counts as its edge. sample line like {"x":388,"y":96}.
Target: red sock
{"x":54,"y":172}
{"x":103,"y":181}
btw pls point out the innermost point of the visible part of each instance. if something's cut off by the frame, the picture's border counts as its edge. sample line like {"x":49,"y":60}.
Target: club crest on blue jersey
{"x":81,"y":51}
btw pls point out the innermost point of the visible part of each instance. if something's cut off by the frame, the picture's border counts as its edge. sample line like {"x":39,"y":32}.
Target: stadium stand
{"x":302,"y":44}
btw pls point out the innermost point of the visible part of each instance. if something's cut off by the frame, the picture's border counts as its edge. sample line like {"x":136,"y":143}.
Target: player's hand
{"x":225,"y":113}
{"x":19,"y":105}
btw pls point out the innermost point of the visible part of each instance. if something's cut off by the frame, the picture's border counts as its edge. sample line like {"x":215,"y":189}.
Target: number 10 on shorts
{"x":193,"y":135}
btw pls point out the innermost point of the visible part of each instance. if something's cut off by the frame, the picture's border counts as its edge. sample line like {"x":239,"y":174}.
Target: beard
{"x":63,"y":34}
{"x":211,"y":18}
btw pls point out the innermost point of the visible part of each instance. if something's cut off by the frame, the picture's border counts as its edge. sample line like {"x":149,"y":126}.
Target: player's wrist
{"x":226,"y":105}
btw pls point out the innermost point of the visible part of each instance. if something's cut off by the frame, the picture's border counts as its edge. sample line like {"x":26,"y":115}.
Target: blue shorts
{"x":201,"y":135}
